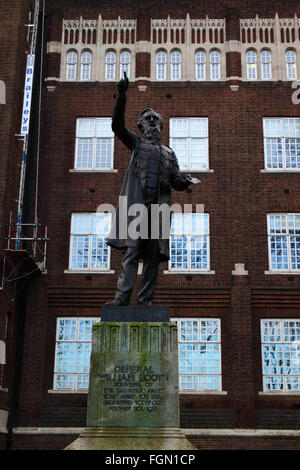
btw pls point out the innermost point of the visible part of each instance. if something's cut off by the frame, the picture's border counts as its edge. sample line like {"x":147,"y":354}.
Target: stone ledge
{"x":188,"y":432}
{"x":276,"y":393}
{"x":242,"y":432}
{"x":191,"y":273}
{"x":68,"y":271}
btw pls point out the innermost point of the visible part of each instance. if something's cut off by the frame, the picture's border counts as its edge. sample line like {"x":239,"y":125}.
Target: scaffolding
{"x":31,"y":254}
{"x":26,"y":246}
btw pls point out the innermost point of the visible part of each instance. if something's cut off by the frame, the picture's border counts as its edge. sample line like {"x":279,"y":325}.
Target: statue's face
{"x":151,"y":124}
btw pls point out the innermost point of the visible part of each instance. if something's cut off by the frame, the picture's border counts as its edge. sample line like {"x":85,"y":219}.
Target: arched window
{"x":161,"y":65}
{"x":86,"y":66}
{"x":215,"y":65}
{"x":251,"y":61}
{"x":291,"y":65}
{"x":175,"y":65}
{"x":110,"y":65}
{"x":125,"y":63}
{"x":266,"y":65}
{"x":71,"y":65}
{"x":200,"y":65}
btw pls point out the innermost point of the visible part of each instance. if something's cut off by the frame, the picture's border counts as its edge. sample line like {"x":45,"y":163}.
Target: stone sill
{"x":93,"y":171}
{"x":191,"y":273}
{"x":288,"y":273}
{"x":198,"y":171}
{"x":4,"y":390}
{"x":207,"y":392}
{"x":67,"y":271}
{"x":47,"y":430}
{"x":279,"y":393}
{"x":3,"y":430}
{"x":186,"y":392}
{"x":69,"y":391}
{"x":280,"y":171}
{"x":188,"y":432}
{"x":241,"y":432}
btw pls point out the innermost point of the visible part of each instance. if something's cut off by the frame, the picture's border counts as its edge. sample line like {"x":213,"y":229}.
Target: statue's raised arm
{"x":118,"y":117}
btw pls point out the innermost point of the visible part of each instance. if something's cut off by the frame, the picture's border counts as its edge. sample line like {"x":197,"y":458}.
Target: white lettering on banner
{"x":27,"y":94}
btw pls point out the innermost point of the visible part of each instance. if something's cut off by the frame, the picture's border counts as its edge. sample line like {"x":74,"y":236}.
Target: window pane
{"x":85,"y":151}
{"x":72,"y":358}
{"x":81,"y":223}
{"x":282,"y":143}
{"x":200,"y":65}
{"x":90,"y":251}
{"x":281,"y":354}
{"x":199,"y":354}
{"x":189,"y":242}
{"x":85,"y":127}
{"x":180,"y":147}
{"x":189,"y":140}
{"x":103,"y":153}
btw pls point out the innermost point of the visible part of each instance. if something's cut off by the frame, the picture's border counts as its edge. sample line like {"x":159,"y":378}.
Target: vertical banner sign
{"x":27,"y":95}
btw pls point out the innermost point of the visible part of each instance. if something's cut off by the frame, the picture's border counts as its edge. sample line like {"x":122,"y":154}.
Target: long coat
{"x":135,"y":180}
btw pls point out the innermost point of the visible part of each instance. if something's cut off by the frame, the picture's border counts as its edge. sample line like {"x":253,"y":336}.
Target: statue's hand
{"x":123,"y":85}
{"x":192,"y":180}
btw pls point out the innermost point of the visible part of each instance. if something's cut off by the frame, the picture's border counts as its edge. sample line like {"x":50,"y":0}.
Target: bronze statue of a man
{"x":152,"y":172}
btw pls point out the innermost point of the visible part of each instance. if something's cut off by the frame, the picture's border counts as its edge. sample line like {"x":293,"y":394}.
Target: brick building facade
{"x":224,"y":77}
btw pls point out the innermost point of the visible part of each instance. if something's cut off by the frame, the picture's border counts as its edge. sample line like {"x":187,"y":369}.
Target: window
{"x":110,"y":65}
{"x":189,"y":140}
{"x":124,"y":64}
{"x":199,"y":348}
{"x":200,"y":65}
{"x":175,"y":65}
{"x":72,"y":353}
{"x":251,"y":60}
{"x":161,"y":65}
{"x":284,"y":242}
{"x":94,"y":144}
{"x":291,"y":65}
{"x":86,"y":65}
{"x":88,"y":248}
{"x":266,"y":65}
{"x":280,"y":355}
{"x":189,"y":242}
{"x":71,"y":65}
{"x":282,"y":143}
{"x":215,"y":65}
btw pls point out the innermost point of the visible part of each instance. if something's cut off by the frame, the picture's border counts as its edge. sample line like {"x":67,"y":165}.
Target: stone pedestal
{"x":133,"y":391}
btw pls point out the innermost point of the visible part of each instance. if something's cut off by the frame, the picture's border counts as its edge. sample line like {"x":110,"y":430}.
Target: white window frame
{"x":94,"y":141}
{"x":76,"y":339}
{"x":89,"y":235}
{"x":279,"y":346}
{"x":200,"y":65}
{"x":175,"y":63}
{"x":110,"y":65}
{"x":161,"y":66}
{"x":249,"y":64}
{"x":71,"y":68}
{"x":125,"y":64}
{"x":266,"y":65}
{"x":291,"y":64}
{"x":197,"y":332}
{"x":189,"y":141}
{"x":283,"y":138}
{"x":280,"y":218}
{"x":189,"y":235}
{"x":86,"y":65}
{"x":215,"y":65}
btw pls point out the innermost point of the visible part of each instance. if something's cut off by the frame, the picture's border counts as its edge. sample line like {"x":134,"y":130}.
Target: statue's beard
{"x":152,"y":133}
